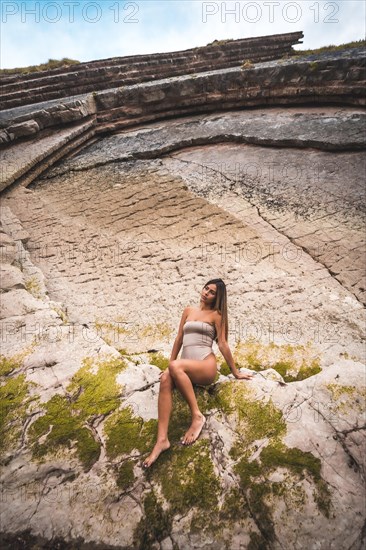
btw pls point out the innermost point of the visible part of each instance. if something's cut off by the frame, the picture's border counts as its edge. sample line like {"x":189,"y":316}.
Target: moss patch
{"x":158,"y":359}
{"x":67,"y":421}
{"x":299,"y":463}
{"x":257,"y":422}
{"x":155,"y":525}
{"x":331,"y":48}
{"x":33,"y":286}
{"x":159,"y":331}
{"x":225,"y":369}
{"x":125,"y":477}
{"x":247,"y":64}
{"x":188,"y":481}
{"x":345,"y":398}
{"x":234,"y":506}
{"x":251,"y":419}
{"x":9,"y":364}
{"x":50,"y":64}
{"x":293,"y":363}
{"x":123,"y":333}
{"x":127,"y":432}
{"x":15,"y":400}
{"x":93,"y":388}
{"x":62,"y":428}
{"x":260,"y":493}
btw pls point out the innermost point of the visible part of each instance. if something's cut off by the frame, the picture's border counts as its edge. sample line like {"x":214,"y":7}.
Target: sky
{"x":32,"y":32}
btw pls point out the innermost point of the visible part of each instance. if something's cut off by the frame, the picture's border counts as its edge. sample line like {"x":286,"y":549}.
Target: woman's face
{"x":208,"y":294}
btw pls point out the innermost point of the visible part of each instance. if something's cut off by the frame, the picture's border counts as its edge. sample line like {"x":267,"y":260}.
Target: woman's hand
{"x":243,"y":375}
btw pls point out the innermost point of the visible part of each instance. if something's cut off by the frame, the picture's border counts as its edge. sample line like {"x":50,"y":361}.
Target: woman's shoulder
{"x":216,"y":316}
{"x":189,"y":309}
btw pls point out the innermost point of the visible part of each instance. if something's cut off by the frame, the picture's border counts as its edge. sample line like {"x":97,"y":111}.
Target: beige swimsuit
{"x":198,"y":337}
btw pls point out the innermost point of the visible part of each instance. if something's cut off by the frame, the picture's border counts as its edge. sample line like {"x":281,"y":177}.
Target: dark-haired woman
{"x":198,"y":328}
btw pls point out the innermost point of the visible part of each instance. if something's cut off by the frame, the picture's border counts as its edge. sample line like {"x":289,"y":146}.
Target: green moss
{"x":247,"y":64}
{"x":126,"y":432}
{"x":347,"y":398}
{"x":308,"y":370}
{"x":331,"y":48}
{"x":247,"y":471}
{"x":92,"y":391}
{"x":257,"y":495}
{"x":293,"y":363}
{"x":51,"y":64}
{"x":219,"y":42}
{"x":158,"y":359}
{"x":259,"y":492}
{"x":257,"y":542}
{"x":159,"y":331}
{"x":125,"y":477}
{"x":234,"y":506}
{"x":32,"y":285}
{"x":225,"y":369}
{"x":313,"y":66}
{"x":337,"y":390}
{"x":62,"y":428}
{"x":299,"y":463}
{"x":14,"y":399}
{"x":255,"y":420}
{"x":9,"y":364}
{"x":305,"y":370}
{"x":155,"y":525}
{"x":252,"y":419}
{"x":188,"y":480}
{"x":111,"y":332}
{"x":95,"y":393}
{"x":61,"y":313}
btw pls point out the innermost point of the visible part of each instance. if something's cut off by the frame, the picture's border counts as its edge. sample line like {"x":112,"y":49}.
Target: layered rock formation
{"x":20,"y":89}
{"x":99,"y":256}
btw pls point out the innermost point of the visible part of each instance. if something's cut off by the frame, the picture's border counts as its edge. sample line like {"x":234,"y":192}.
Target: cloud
{"x":86,"y":30}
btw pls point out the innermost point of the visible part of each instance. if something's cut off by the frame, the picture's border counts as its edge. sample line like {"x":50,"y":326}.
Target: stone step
{"x":142,"y":69}
{"x":23,"y":162}
{"x":40,"y":86}
{"x":273,"y":41}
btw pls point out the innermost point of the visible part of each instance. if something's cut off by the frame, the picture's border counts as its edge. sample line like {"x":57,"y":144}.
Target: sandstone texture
{"x":104,"y":239}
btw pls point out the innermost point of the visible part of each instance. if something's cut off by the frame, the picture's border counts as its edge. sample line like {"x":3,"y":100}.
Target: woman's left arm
{"x":225,"y":350}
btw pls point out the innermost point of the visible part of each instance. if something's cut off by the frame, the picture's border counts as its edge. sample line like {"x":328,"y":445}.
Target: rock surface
{"x":98,"y":259}
{"x":101,"y":256}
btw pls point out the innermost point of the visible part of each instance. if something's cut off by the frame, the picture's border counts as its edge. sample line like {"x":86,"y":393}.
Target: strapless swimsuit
{"x":198,"y":337}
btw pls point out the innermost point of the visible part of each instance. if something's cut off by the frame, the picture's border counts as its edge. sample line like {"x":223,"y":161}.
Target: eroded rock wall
{"x":20,"y":89}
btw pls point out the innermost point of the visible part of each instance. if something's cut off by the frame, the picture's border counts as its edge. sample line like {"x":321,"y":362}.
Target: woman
{"x":197,"y":365}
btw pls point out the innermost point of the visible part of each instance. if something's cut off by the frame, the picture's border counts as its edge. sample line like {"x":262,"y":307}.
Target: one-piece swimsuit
{"x":198,"y":337}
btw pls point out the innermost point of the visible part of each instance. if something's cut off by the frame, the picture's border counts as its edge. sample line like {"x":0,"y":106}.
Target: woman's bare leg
{"x":184,"y":372}
{"x":164,"y":410}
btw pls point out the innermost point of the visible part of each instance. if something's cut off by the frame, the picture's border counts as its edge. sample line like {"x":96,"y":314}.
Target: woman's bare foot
{"x":159,"y":447}
{"x":194,"y":430}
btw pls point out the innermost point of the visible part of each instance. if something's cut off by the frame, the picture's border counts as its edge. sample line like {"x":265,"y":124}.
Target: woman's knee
{"x":173,"y":368}
{"x":166,"y":381}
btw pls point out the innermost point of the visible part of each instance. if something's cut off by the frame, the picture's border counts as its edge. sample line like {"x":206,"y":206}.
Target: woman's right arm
{"x":179,"y":338}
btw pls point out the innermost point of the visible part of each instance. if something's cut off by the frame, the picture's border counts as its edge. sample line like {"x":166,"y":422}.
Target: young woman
{"x":199,"y":327}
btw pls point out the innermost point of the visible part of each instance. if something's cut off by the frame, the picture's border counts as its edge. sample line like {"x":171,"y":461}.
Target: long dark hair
{"x":220,"y":303}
